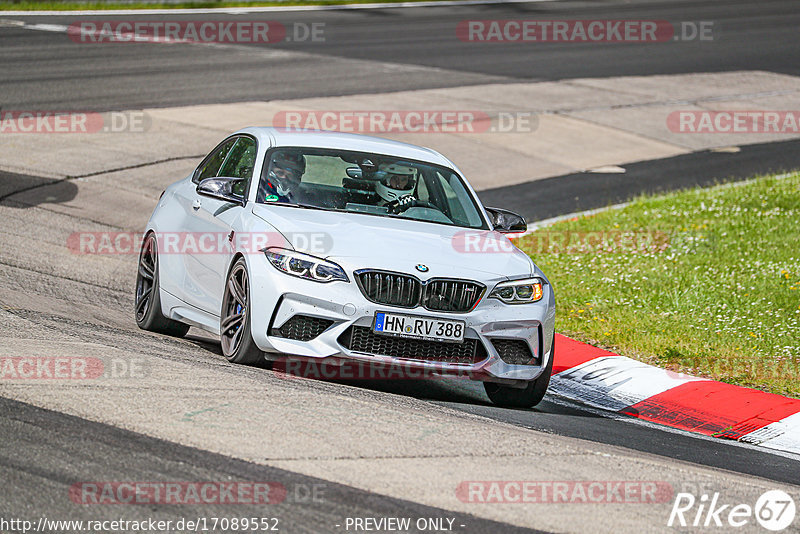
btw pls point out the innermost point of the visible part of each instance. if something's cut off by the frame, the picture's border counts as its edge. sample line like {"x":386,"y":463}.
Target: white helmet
{"x":398,"y":180}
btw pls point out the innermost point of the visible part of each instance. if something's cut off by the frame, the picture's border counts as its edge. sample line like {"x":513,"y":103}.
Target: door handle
{"x":196,"y":204}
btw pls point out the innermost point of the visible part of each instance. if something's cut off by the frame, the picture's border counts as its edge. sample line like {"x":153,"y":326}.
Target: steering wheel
{"x":403,"y":203}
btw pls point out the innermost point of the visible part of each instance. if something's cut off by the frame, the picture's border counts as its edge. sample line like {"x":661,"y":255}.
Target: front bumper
{"x":277,"y":297}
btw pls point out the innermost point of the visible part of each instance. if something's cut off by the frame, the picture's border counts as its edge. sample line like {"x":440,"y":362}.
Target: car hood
{"x":358,"y":241}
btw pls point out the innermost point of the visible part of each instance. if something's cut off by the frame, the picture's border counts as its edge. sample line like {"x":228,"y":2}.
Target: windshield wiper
{"x":304,"y":206}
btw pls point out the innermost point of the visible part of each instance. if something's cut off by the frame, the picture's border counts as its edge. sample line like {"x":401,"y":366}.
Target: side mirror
{"x":507,"y":222}
{"x":223,"y":188}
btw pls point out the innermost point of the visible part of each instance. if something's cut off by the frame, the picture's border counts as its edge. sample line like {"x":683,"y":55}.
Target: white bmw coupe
{"x":339,"y":247}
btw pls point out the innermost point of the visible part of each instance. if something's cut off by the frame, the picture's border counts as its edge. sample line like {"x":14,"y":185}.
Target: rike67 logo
{"x":774,"y":510}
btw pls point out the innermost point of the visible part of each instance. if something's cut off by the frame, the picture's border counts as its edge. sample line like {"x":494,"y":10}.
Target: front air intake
{"x":302,"y":328}
{"x":363,"y":339}
{"x":514,"y":351}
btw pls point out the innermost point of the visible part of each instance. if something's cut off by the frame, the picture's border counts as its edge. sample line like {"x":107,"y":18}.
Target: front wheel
{"x":234,"y":326}
{"x":527,"y":397}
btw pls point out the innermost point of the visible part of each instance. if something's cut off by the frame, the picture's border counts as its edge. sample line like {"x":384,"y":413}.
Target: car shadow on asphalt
{"x":204,"y":341}
{"x":23,"y":191}
{"x":460,"y":393}
{"x":443,"y":390}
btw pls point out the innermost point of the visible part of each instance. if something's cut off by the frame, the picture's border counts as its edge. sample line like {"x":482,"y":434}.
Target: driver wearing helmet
{"x":282,"y":183}
{"x":396,"y":188}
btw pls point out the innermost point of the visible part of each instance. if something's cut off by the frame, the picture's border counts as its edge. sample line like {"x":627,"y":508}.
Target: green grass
{"x":56,"y":5}
{"x":720,"y":300}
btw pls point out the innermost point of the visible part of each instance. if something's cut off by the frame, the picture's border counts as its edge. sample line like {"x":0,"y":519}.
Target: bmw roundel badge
{"x":421,"y":268}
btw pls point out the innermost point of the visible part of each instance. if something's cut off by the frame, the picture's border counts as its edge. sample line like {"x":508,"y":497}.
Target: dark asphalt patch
{"x":44,"y":453}
{"x":561,"y":195}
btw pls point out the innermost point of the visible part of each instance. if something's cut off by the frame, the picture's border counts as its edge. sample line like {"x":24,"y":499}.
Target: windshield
{"x":373,"y":184}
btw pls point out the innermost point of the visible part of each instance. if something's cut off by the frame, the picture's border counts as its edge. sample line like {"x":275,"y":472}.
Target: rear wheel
{"x":234,"y":326}
{"x":148,"y":298}
{"x":527,"y":397}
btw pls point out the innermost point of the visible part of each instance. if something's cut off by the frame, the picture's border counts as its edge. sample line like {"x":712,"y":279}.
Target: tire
{"x":531,"y":395}
{"x":148,"y":297}
{"x":234,"y":323}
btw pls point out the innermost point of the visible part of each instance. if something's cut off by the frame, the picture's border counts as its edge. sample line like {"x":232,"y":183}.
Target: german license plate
{"x":414,"y":326}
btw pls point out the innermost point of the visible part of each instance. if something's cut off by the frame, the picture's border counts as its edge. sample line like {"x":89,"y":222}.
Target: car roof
{"x":279,"y":137}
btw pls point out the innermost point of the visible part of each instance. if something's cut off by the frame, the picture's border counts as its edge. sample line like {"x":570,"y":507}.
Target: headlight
{"x":304,"y":265}
{"x":518,"y":291}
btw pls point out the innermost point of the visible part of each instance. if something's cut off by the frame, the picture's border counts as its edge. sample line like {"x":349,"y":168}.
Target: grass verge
{"x":705,"y":281}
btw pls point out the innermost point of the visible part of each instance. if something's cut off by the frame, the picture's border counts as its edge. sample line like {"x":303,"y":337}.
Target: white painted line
{"x":607,"y":169}
{"x":58,"y":28}
{"x":615,"y":382}
{"x":267,"y":9}
{"x":727,"y":149}
{"x":576,"y":215}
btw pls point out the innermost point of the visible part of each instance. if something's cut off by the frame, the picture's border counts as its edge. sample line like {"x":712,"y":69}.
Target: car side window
{"x":239,"y":164}
{"x":241,"y":159}
{"x":210,"y":166}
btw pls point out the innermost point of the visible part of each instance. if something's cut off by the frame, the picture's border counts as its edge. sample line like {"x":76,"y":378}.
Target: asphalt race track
{"x":45,"y":441}
{"x":192,"y":416}
{"x":368,"y":51}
